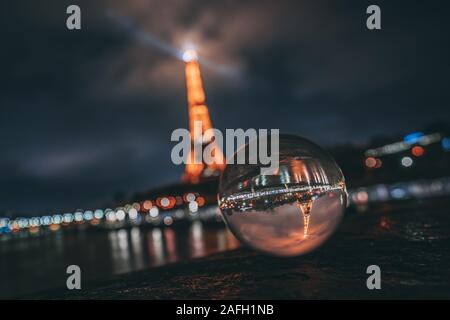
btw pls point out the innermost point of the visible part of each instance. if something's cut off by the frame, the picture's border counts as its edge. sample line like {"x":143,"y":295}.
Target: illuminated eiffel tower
{"x":305,"y":208}
{"x":199,"y":121}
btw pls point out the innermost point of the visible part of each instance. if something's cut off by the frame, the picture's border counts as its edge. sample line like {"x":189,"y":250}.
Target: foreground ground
{"x":409,"y":241}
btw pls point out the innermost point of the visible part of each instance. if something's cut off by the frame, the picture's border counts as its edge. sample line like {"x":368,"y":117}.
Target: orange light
{"x":370,"y":162}
{"x":362,"y":197}
{"x":385,"y":223}
{"x":54,"y":227}
{"x":158,"y":202}
{"x":147,"y":205}
{"x":33,"y":229}
{"x":201,"y":201}
{"x":378,"y":164}
{"x":166,"y":202}
{"x":172,"y":202}
{"x":417,"y":151}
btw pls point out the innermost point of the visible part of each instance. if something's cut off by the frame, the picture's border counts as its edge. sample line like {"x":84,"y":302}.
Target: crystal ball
{"x":290,"y":210}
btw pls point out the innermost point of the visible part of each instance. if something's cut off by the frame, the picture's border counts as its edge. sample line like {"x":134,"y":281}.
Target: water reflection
{"x":197,"y":247}
{"x":136,"y":245}
{"x":38,"y":263}
{"x":156,"y":246}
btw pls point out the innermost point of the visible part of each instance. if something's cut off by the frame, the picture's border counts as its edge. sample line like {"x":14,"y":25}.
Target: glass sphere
{"x":291,"y":210}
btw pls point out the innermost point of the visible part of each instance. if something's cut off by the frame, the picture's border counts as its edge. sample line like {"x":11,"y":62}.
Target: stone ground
{"x":409,"y":241}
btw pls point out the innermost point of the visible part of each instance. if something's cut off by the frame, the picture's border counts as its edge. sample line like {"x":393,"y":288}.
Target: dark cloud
{"x":87,"y":114}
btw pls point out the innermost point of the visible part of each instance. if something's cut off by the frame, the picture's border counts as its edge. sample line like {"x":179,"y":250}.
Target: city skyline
{"x":87,"y":115}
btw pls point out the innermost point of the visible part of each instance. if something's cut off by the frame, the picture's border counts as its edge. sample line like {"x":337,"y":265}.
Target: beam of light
{"x":145,"y":38}
{"x":223,"y":70}
{"x":154,"y":42}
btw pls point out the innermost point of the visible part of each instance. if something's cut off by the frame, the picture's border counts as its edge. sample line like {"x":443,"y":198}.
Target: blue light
{"x":398,"y":193}
{"x":98,"y":214}
{"x":446,"y":144}
{"x":4,"y":225}
{"x":413,"y":137}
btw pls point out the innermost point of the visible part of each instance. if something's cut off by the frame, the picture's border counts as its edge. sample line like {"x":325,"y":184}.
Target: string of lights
{"x":161,"y":211}
{"x":165,"y":211}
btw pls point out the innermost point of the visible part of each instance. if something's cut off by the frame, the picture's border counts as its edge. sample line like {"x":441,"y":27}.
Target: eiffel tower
{"x":197,"y":171}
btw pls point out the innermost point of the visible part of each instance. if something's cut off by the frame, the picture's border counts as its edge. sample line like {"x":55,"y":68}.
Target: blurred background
{"x":86,"y":118}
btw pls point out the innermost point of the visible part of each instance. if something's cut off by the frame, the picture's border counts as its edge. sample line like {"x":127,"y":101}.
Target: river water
{"x":32,"y":264}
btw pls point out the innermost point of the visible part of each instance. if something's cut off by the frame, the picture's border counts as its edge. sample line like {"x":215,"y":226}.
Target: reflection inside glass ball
{"x":291,"y":211}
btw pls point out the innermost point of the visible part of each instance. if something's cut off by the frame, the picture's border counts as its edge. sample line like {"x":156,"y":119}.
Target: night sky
{"x":87,"y":115}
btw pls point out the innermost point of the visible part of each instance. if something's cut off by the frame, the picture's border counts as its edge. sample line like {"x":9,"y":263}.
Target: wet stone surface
{"x":410,"y":242}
